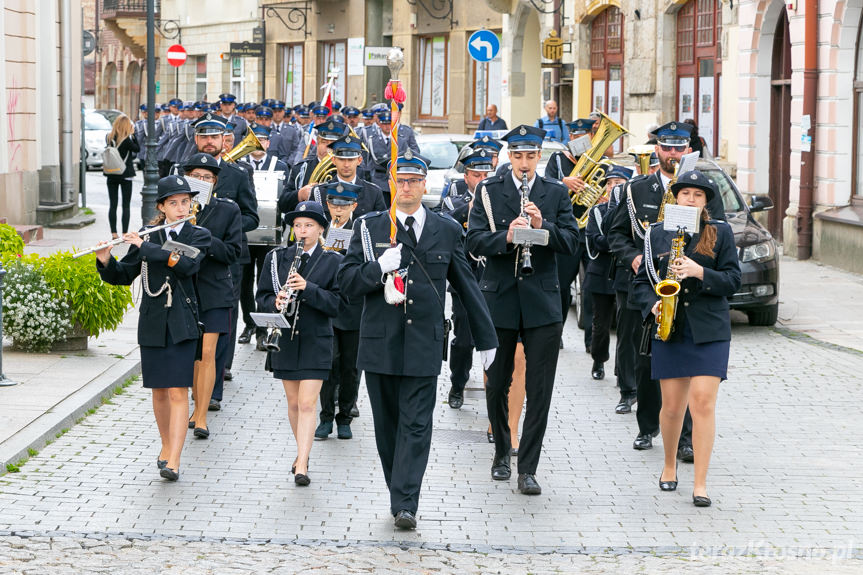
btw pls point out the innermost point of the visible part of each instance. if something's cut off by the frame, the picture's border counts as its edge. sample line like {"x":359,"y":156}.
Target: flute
{"x":144,"y":233}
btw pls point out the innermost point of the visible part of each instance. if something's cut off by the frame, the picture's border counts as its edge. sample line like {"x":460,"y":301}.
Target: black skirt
{"x":169,"y":366}
{"x":217,"y":320}
{"x":299,"y":374}
{"x":683,"y":357}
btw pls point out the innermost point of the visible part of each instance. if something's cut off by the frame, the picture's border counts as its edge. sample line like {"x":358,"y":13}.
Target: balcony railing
{"x":127,"y":8}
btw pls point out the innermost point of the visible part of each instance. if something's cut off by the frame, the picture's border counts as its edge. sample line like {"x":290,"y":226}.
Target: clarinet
{"x":526,"y":264}
{"x":289,"y":306}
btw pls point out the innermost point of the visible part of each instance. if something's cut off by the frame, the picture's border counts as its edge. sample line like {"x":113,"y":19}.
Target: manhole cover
{"x":459,"y":436}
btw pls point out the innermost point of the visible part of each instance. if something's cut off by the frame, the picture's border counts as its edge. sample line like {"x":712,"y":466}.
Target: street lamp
{"x":151,"y":173}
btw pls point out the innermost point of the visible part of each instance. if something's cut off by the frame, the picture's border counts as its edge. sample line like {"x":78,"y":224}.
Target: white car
{"x":96,"y":130}
{"x":444,"y":149}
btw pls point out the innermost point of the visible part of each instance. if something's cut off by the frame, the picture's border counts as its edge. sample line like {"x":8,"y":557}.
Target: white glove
{"x":487,"y":357}
{"x":391,"y":259}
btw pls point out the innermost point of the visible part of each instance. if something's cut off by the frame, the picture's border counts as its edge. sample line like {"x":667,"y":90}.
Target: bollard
{"x":4,"y":382}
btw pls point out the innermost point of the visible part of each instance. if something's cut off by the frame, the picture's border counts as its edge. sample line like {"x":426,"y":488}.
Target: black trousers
{"x":251,"y":272}
{"x":461,"y":347}
{"x":125,"y":187}
{"x":221,"y":360}
{"x":403,"y":410}
{"x":541,"y":350}
{"x":603,"y":313}
{"x":567,"y":271}
{"x":343,"y":376}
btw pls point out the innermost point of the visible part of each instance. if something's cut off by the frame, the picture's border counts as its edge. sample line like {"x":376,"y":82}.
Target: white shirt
{"x":177,"y":229}
{"x":311,"y":250}
{"x":518,"y":181}
{"x":354,"y":181}
{"x":419,"y":220}
{"x":664,"y":179}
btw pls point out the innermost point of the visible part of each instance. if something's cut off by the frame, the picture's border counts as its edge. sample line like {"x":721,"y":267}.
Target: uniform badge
{"x":482,"y":153}
{"x":694,"y":176}
{"x":486,"y":139}
{"x":522,"y":131}
{"x":409,"y":155}
{"x":331,"y":126}
{"x":303,"y":208}
{"x":340,"y":188}
{"x":179,"y":182}
{"x":209,"y":116}
{"x":673,"y":127}
{"x":203,"y":159}
{"x":348,"y":140}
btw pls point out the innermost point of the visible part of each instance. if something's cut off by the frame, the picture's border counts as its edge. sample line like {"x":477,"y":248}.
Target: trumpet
{"x":144,"y":233}
{"x":290,"y":304}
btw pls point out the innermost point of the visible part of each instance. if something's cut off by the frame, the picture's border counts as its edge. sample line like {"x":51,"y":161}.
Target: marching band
{"x":354,"y":280}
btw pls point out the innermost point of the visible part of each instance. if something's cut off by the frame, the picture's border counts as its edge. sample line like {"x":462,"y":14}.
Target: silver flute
{"x":142,"y":233}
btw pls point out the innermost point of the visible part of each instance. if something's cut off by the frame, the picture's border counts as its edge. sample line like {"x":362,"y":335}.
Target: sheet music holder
{"x":686,"y":217}
{"x":181,"y":249}
{"x":270,"y":320}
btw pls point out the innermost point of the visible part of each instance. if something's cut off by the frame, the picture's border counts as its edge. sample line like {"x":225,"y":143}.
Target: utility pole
{"x":151,"y":173}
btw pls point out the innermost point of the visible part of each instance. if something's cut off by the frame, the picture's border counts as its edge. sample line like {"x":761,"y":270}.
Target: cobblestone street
{"x":786,"y":480}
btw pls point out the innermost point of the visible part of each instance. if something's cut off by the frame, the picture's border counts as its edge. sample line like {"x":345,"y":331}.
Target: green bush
{"x":11,"y":243}
{"x":96,"y":305}
{"x":32,"y":315}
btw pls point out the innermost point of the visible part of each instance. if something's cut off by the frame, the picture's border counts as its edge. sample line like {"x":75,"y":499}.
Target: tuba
{"x":250,"y":143}
{"x":642,"y":157}
{"x":591,"y":168}
{"x":325,"y":171}
{"x":668,"y":289}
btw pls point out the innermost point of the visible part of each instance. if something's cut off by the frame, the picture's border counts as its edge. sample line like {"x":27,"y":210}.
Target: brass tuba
{"x":250,"y":143}
{"x":668,"y":289}
{"x":591,"y":167}
{"x":642,"y":157}
{"x":325,"y":171}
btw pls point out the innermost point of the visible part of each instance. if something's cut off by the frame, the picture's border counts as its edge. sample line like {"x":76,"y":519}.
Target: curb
{"x":66,"y":412}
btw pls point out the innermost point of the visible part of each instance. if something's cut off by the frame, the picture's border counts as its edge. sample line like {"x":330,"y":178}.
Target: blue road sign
{"x":483,"y":45}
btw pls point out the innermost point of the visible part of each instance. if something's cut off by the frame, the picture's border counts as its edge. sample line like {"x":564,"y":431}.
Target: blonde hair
{"x":122,"y":129}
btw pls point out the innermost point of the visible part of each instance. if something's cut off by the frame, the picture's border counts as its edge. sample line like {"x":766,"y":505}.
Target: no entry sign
{"x":176,"y":55}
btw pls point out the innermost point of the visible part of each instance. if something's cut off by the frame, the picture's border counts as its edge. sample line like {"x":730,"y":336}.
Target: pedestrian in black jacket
{"x":168,"y":324}
{"x":122,"y":136}
{"x":694,"y":359}
{"x":215,"y":284}
{"x":309,"y":297}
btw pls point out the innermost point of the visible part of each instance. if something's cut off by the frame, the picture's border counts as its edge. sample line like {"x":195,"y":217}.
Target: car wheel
{"x":765,"y":316}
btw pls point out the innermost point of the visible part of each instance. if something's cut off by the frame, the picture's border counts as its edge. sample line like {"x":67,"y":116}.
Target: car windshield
{"x":96,"y":122}
{"x":441,"y":154}
{"x":730,"y":198}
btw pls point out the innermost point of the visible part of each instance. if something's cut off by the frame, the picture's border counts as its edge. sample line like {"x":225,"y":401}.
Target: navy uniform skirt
{"x":217,"y":320}
{"x":682,"y":357}
{"x":169,"y":366}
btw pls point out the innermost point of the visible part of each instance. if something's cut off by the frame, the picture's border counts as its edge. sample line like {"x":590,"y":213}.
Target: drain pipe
{"x":810,"y":97}
{"x":67,"y":189}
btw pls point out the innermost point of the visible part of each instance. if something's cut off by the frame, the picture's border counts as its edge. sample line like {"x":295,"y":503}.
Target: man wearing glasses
{"x":401,"y":344}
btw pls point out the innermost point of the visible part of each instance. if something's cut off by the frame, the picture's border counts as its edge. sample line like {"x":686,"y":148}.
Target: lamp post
{"x":4,"y":382}
{"x":151,"y":173}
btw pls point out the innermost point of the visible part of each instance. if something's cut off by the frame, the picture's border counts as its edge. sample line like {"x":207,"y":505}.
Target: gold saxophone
{"x":668,"y":197}
{"x":668,"y":289}
{"x":591,"y":167}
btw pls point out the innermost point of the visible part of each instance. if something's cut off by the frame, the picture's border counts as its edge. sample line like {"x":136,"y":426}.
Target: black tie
{"x":409,"y":227}
{"x":304,"y":259}
{"x":173,"y":234}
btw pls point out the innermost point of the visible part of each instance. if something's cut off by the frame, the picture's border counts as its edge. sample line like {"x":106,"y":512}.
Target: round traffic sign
{"x":176,"y":55}
{"x":483,"y":45}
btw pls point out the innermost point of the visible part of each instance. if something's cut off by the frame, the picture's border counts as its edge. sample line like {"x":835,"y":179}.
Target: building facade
{"x":38,"y":181}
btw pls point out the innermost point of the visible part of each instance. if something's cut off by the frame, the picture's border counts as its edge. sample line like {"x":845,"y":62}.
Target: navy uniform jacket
{"x":290,"y":146}
{"x":177,"y":143}
{"x":215,"y":284}
{"x":625,"y":236}
{"x":378,"y":157}
{"x":297,"y":179}
{"x":280,"y":165}
{"x":233,"y":183}
{"x":240,"y":127}
{"x":600,"y":261}
{"x":168,"y":125}
{"x":529,"y":301}
{"x":370,"y":199}
{"x":703,"y":304}
{"x":155,"y":319}
{"x":408,"y":339}
{"x":456,"y":201}
{"x":559,"y":166}
{"x":312,"y":346}
{"x":350,"y":310}
{"x":141,"y":136}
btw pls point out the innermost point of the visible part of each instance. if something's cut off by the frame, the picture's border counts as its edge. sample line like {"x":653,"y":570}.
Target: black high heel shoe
{"x":668,"y":485}
{"x":302,"y":480}
{"x":170,"y":474}
{"x":490,"y":436}
{"x":161,"y":463}
{"x":701,"y":501}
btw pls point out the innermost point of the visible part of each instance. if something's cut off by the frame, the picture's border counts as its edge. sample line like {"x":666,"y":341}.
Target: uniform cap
{"x":171,"y":186}
{"x":347,"y":147}
{"x":411,"y":163}
{"x":202,"y":160}
{"x":209,"y":123}
{"x":581,"y":126}
{"x":331,"y":130}
{"x":264,"y":111}
{"x":674,"y":134}
{"x":341,"y":193}
{"x":307,"y":209}
{"x":227,"y":98}
{"x":260,"y":130}
{"x":479,"y":161}
{"x":695,"y":179}
{"x":525,"y":138}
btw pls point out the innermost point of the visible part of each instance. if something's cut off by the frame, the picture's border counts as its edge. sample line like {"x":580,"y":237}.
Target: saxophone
{"x":668,"y":197}
{"x":668,"y":289}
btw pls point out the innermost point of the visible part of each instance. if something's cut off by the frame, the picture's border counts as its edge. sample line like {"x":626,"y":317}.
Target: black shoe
{"x":701,"y":501}
{"x":598,"y":370}
{"x":404,"y":519}
{"x":561,"y":343}
{"x":247,"y":334}
{"x":625,"y":404}
{"x":685,"y":454}
{"x":528,"y":485}
{"x":302,"y":480}
{"x":355,"y":412}
{"x":344,"y":431}
{"x":668,"y":485}
{"x":456,"y":398}
{"x":325,"y":428}
{"x":161,"y":463}
{"x":644,"y":441}
{"x":170,"y":474}
{"x":513,"y":452}
{"x":490,"y":436}
{"x":260,"y":345}
{"x":500,"y":468}
{"x":191,"y":424}
{"x":215,"y":405}
{"x":201,"y":432}
{"x":228,"y":375}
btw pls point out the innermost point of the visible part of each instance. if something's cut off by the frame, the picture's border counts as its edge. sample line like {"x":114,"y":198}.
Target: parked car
{"x":96,"y":129}
{"x":110,"y":115}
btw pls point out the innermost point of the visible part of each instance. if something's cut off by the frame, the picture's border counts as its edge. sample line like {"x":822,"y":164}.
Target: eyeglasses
{"x":669,"y":148}
{"x":203,"y":178}
{"x":411,"y":183}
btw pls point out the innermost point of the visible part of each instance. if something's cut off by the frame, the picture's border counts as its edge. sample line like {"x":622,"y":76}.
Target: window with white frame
{"x":238,"y":78}
{"x":200,"y":77}
{"x":433,"y":85}
{"x":335,"y":58}
{"x":291,"y":71}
